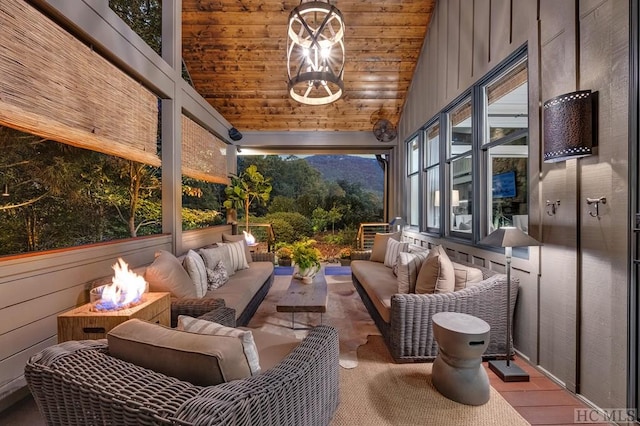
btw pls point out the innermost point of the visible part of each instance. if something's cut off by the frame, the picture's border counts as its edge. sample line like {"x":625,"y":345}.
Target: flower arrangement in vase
{"x":306,"y":259}
{"x":345,"y":256}
{"x":284,"y":253}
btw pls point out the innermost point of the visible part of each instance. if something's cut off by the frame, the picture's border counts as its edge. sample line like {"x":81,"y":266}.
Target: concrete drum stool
{"x":457,"y":371}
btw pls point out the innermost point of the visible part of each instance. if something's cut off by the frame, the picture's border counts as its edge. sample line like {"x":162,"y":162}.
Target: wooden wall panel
{"x":441,"y":16}
{"x":604,"y":68}
{"x":481,"y":31}
{"x":558,"y":282}
{"x":500,"y":30}
{"x":453,"y":47}
{"x":465,"y":64}
{"x":523,"y":22}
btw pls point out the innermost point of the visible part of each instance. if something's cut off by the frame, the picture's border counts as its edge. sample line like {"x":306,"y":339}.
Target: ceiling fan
{"x":384,"y":131}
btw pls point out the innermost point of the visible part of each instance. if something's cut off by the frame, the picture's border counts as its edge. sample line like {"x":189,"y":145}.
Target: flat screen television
{"x":504,"y":185}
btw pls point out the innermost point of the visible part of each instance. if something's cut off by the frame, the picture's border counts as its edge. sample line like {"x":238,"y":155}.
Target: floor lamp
{"x":508,"y":237}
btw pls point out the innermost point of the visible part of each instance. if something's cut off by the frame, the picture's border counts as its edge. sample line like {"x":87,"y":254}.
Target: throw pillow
{"x":199,"y":326}
{"x":230,"y":238}
{"x":436,"y":273}
{"x":217,"y":277}
{"x":237,"y":255}
{"x":466,"y":275}
{"x":380,"y":245}
{"x":194,"y":265}
{"x":167,"y":274}
{"x":200,"y":359}
{"x":391,"y":254}
{"x":409,"y":265}
{"x":214,"y":255}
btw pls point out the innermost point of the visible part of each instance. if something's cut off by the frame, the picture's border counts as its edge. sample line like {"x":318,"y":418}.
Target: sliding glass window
{"x":460,"y":169}
{"x":432,"y":171}
{"x":413,"y":173}
{"x":506,"y":148}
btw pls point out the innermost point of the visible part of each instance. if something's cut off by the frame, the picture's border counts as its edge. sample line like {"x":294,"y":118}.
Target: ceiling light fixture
{"x":315,"y":53}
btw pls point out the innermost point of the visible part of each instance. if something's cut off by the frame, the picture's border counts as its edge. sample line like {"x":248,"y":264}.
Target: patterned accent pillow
{"x":217,"y":277}
{"x":194,"y":265}
{"x":194,"y":325}
{"x":393,"y":248}
{"x":409,"y":265}
{"x":237,"y":255}
{"x":230,"y":238}
{"x":213,"y":255}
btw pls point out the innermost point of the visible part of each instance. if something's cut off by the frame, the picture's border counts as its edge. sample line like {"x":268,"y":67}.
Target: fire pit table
{"x":86,"y":323}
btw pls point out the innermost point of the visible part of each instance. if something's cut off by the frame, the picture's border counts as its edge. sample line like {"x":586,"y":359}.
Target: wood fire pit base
{"x":82,"y":323}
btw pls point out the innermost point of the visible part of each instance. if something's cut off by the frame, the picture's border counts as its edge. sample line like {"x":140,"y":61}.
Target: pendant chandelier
{"x":315,"y":53}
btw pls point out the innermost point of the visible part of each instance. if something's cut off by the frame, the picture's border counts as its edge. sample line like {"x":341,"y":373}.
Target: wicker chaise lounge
{"x":79,"y":383}
{"x":405,"y":320}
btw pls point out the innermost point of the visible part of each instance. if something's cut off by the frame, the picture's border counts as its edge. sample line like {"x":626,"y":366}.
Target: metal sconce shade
{"x":568,"y":126}
{"x":315,"y":53}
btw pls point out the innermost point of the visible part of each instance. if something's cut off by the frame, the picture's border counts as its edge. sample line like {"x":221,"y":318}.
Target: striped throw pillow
{"x":409,"y":265}
{"x":393,"y":248}
{"x":237,"y":255}
{"x":194,"y":265}
{"x":194,"y":325}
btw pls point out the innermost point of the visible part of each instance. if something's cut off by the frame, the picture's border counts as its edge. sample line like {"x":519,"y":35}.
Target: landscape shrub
{"x":301,"y":225}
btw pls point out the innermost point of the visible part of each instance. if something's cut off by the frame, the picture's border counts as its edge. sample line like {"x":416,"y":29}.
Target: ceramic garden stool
{"x":457,"y":371}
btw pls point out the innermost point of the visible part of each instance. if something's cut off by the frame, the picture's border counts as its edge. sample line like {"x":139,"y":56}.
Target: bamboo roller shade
{"x":54,"y":86}
{"x":203,"y":154}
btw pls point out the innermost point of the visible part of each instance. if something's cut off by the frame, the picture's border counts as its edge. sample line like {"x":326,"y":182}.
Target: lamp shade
{"x":568,"y":126}
{"x":509,"y":237}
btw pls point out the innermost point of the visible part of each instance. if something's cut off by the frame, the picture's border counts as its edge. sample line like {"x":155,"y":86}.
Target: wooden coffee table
{"x":301,"y":297}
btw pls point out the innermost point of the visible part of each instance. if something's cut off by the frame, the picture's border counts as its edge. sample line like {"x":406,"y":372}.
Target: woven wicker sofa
{"x":79,"y":383}
{"x":405,"y":320}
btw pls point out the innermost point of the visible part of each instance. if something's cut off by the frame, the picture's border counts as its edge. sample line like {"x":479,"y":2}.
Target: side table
{"x":457,"y":371}
{"x":82,"y":323}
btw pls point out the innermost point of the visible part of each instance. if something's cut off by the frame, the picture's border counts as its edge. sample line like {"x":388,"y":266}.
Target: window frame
{"x":479,"y":152}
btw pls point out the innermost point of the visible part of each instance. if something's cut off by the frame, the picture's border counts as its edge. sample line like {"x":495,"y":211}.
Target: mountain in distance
{"x":351,"y":168}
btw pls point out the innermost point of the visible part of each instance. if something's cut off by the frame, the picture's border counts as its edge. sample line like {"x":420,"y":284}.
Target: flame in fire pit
{"x":250,"y":239}
{"x":126,"y":289}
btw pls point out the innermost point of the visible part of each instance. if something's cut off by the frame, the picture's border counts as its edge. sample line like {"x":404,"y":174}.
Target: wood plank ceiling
{"x":235,"y":53}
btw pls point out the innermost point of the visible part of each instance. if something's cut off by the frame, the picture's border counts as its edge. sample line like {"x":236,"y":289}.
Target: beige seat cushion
{"x":240,"y":289}
{"x":379,"y":248}
{"x":379,"y":283}
{"x":436,"y":274}
{"x":272,"y":348}
{"x":167,"y":274}
{"x":200,"y":326}
{"x":200,"y":359}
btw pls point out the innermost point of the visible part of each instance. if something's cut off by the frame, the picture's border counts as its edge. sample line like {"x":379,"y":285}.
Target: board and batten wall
{"x":571,"y":317}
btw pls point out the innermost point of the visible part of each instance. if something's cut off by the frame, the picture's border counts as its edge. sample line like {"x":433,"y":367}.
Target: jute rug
{"x":345,"y":312}
{"x":380,"y":392}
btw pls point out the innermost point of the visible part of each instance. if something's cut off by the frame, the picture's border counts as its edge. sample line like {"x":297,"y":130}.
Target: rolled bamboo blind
{"x":203,"y":154}
{"x":54,"y":86}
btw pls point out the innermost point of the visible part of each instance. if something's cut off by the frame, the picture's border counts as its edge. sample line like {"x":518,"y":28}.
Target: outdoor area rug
{"x":345,"y":312}
{"x":379,"y":392}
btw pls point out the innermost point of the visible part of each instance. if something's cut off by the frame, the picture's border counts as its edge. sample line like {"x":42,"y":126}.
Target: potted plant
{"x":284,"y":254}
{"x":345,"y":256}
{"x":306,"y":259}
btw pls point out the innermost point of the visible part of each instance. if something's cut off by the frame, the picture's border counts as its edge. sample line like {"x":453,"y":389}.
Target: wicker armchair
{"x":78,"y":383}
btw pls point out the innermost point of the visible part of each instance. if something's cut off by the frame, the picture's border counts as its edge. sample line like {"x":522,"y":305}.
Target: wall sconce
{"x":569,"y":126}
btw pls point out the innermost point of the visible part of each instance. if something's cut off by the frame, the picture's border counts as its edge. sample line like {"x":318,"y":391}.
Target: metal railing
{"x":367,"y":233}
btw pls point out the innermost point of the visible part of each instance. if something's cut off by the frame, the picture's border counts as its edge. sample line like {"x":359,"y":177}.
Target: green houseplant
{"x":306,"y":259}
